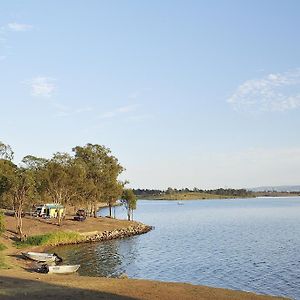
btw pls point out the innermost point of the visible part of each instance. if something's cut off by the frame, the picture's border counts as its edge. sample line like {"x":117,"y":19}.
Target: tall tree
{"x":61,"y":179}
{"x":6,"y":152}
{"x":17,"y":190}
{"x":102,"y":171}
{"x":112,"y":193}
{"x":129,"y":200}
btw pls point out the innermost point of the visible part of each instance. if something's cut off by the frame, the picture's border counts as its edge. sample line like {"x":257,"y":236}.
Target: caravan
{"x":50,"y":210}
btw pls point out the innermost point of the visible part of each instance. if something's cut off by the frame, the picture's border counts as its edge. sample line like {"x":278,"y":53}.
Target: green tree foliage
{"x":88,"y":177}
{"x":129,"y":200}
{"x":16,"y":190}
{"x":102,"y":170}
{"x":6,"y":152}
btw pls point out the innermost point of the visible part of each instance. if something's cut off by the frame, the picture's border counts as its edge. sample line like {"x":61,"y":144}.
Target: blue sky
{"x":184,"y":93}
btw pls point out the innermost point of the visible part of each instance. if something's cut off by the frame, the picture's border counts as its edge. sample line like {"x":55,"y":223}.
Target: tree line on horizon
{"x":84,"y":179}
{"x":170,"y":191}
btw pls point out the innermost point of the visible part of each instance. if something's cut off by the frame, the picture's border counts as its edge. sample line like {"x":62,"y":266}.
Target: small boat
{"x":63,"y":269}
{"x":180,"y":203}
{"x":42,"y":257}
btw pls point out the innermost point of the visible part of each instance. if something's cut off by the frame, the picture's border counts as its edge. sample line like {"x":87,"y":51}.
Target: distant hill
{"x":280,"y":188}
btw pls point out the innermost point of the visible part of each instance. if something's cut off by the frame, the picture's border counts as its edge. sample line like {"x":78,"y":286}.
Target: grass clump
{"x":51,"y":239}
{"x":2,"y":226}
{"x":3,"y":265}
{"x":2,"y":247}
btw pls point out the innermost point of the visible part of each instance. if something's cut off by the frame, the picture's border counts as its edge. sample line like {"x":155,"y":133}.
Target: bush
{"x":2,"y":226}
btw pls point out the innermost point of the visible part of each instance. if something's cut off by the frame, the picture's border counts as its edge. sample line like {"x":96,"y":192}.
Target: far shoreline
{"x":228,"y":198}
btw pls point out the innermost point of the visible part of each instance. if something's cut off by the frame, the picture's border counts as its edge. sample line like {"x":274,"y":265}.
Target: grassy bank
{"x":51,"y":239}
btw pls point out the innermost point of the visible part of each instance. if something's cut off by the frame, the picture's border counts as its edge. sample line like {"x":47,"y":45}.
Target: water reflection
{"x":106,"y":259}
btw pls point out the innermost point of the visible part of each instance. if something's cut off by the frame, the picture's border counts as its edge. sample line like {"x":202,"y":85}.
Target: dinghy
{"x":63,"y":269}
{"x":42,"y":257}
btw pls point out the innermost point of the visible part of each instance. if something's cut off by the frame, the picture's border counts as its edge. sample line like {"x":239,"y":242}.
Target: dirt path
{"x":26,"y":285}
{"x":34,"y":226}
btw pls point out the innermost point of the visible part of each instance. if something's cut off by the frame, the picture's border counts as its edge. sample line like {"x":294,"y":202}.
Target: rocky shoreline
{"x":116,"y":234}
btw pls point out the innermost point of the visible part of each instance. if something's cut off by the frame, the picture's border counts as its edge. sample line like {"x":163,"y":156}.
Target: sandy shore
{"x":21,"y":282}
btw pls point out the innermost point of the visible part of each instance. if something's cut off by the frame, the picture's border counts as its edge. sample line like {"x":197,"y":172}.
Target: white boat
{"x":180,"y":203}
{"x":42,"y":257}
{"x":63,"y":269}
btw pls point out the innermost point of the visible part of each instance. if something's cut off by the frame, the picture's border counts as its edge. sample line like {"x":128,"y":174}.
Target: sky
{"x":185,"y":93}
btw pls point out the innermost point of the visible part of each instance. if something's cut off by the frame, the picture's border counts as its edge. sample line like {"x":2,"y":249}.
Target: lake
{"x":244,"y":244}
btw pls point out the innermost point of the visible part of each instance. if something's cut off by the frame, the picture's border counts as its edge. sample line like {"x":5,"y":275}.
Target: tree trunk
{"x":91,"y":210}
{"x":94,"y":211}
{"x":110,"y":211}
{"x":128,"y":214}
{"x":19,"y":227}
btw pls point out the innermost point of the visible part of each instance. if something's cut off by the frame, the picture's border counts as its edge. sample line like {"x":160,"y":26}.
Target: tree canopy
{"x":83,"y":179}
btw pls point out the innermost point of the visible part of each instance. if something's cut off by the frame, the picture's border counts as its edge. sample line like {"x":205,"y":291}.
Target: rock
{"x":123,"y":276}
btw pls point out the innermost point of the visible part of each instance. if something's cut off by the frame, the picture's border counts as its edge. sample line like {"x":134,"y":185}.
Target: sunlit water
{"x":245,"y":244}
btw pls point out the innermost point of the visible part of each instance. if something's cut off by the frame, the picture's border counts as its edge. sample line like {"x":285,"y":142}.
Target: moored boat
{"x":63,"y":269}
{"x":42,"y":257}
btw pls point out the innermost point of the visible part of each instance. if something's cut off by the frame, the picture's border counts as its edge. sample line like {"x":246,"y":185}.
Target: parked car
{"x":80,"y":215}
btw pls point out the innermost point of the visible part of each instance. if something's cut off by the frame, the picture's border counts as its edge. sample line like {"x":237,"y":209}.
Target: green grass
{"x":51,"y":239}
{"x":2,"y":247}
{"x":3,"y":265}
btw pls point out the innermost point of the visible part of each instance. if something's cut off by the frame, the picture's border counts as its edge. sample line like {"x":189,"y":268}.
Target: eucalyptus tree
{"x":113,"y":192}
{"x":6,"y":152}
{"x":37,"y":166}
{"x":17,"y":190}
{"x":129,"y":200}
{"x":102,"y":171}
{"x":113,"y":188}
{"x":61,"y":178}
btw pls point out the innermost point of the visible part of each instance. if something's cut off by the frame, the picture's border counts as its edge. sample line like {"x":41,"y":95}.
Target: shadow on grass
{"x":16,"y":288}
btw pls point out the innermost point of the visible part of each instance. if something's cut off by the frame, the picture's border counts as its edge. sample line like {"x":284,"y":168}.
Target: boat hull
{"x":63,"y":269}
{"x":42,"y":257}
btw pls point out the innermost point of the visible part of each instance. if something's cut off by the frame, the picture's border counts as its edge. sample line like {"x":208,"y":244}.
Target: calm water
{"x":247,"y":244}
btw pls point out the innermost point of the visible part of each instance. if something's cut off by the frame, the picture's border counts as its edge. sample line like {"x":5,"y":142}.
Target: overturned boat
{"x":42,"y":257}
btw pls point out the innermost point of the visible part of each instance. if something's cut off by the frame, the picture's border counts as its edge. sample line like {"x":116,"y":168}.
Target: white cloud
{"x":119,"y":111}
{"x":42,"y":86}
{"x":274,"y":92}
{"x":19,"y":27}
{"x":65,"y":111}
{"x":139,"y":118}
